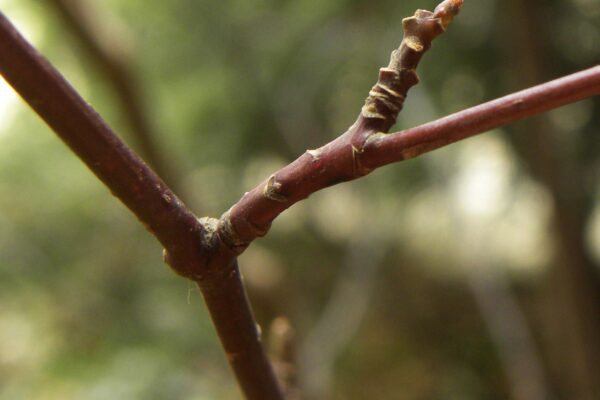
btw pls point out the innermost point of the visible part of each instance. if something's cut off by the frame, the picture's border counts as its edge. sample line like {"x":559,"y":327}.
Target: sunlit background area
{"x":469,"y":273}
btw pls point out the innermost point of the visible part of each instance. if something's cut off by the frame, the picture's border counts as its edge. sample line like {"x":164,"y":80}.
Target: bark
{"x":364,"y":148}
{"x":205,"y":250}
{"x":571,"y":297}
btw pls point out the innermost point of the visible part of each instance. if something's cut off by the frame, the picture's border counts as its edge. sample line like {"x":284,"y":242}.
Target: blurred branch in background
{"x":282,"y":350}
{"x":341,"y":317}
{"x":107,"y":51}
{"x":498,"y":305}
{"x":571,"y":299}
{"x":473,"y":226}
{"x":506,"y":323}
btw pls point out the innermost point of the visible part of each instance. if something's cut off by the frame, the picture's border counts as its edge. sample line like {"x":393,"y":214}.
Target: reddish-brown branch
{"x":385,"y":149}
{"x":344,"y":158}
{"x":82,"y":129}
{"x":341,"y":160}
{"x":191,"y":246}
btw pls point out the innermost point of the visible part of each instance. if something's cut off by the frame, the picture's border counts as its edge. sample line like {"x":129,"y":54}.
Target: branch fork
{"x":342,"y":159}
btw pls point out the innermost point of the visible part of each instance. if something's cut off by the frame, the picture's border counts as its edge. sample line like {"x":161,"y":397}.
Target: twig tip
{"x":447,"y":10}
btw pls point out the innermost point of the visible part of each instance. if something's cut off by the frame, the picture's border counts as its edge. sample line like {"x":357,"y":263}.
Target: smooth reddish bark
{"x":362,"y":149}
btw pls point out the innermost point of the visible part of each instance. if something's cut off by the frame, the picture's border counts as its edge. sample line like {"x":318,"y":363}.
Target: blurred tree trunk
{"x":571,"y":295}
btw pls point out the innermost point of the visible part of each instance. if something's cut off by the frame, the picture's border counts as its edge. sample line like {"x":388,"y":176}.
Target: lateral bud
{"x":272,"y":190}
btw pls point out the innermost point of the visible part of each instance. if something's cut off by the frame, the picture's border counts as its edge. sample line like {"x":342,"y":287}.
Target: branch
{"x":536,"y":100}
{"x":83,"y":130}
{"x":191,"y":246}
{"x":363,"y":148}
{"x":345,"y":158}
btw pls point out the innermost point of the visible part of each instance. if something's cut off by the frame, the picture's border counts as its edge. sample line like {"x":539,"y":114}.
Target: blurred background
{"x":468,"y":273}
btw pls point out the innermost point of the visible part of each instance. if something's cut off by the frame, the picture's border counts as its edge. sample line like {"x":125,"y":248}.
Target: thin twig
{"x":341,"y":160}
{"x":191,"y":246}
{"x":413,"y":142}
{"x":346,"y":157}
